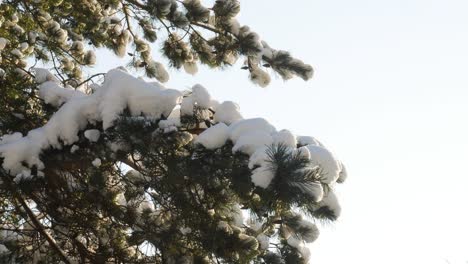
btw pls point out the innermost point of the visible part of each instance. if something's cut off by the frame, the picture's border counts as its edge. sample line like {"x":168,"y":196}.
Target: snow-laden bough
{"x":120,"y":91}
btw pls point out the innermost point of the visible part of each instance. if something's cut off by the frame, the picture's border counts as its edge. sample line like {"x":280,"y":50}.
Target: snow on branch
{"x":122,"y":92}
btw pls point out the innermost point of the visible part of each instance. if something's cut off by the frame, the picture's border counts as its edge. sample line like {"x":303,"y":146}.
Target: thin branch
{"x":41,"y":229}
{"x":127,"y":19}
{"x":56,"y":68}
{"x":89,"y":79}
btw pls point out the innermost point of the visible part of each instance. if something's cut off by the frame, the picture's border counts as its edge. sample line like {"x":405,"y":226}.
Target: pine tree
{"x":109,"y":168}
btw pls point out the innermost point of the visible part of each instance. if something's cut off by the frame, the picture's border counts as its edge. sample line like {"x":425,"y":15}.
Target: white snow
{"x":331,"y":201}
{"x":300,"y":246}
{"x":323,"y":158}
{"x":247,"y":126}
{"x":343,"y":173}
{"x":315,"y":190}
{"x":249,"y":135}
{"x":8,"y":234}
{"x":248,"y":143}
{"x":214,"y":104}
{"x":146,"y":204}
{"x":25,"y":149}
{"x":313,"y":232}
{"x":92,"y":135}
{"x":258,"y":158}
{"x":305,"y":253}
{"x":286,"y":138}
{"x":303,"y":152}
{"x":11,"y":137}
{"x":135,"y":176}
{"x":214,"y":137}
{"x":53,"y":93}
{"x":96,"y":162}
{"x":191,"y":67}
{"x":43,"y":75}
{"x":23,"y":175}
{"x":211,"y":212}
{"x":74,"y":148}
{"x":3,"y":43}
{"x":236,"y":214}
{"x":185,"y":230}
{"x":201,"y":96}
{"x":18,"y":115}
{"x":294,"y":242}
{"x":24,"y":46}
{"x":169,"y":124}
{"x":3,"y":250}
{"x":186,"y":107}
{"x":159,"y":71}
{"x":172,"y":122}
{"x":120,"y":91}
{"x":17,"y":53}
{"x":262,"y":176}
{"x":120,"y":199}
{"x":308,"y":140}
{"x":227,"y":112}
{"x":32,"y":36}
{"x":259,"y":77}
{"x":223,"y":225}
{"x":264,"y":241}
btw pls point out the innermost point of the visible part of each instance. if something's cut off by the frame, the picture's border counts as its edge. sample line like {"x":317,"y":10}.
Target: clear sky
{"x":389,"y":98}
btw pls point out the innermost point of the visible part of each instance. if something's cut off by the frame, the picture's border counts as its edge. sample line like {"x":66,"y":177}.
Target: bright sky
{"x":389,"y":98}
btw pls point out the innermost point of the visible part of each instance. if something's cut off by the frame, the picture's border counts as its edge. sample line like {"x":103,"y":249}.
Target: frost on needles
{"x":134,"y":167}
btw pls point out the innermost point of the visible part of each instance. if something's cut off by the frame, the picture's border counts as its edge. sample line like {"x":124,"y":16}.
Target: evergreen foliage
{"x":137,"y":191}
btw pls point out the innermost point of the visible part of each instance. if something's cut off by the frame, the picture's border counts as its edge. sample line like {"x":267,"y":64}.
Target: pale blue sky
{"x":388,"y":98}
